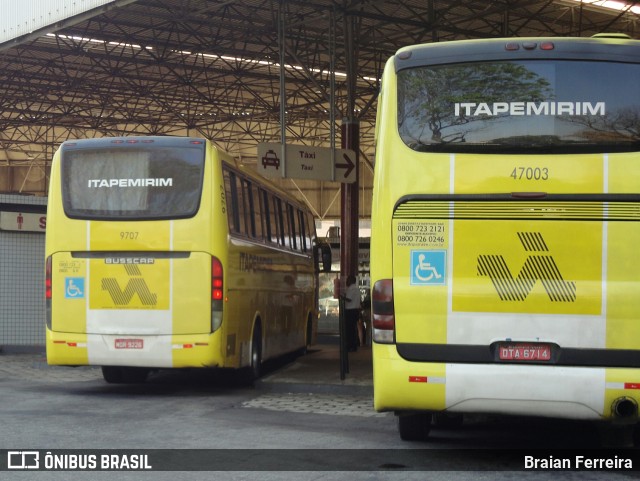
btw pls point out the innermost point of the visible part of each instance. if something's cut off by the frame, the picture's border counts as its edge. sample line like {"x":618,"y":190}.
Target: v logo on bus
{"x":135,"y":285}
{"x":538,"y":267}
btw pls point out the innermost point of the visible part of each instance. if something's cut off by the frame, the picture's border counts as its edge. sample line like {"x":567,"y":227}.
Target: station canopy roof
{"x":211,"y":68}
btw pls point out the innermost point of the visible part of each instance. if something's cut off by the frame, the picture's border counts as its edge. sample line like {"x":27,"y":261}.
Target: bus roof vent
{"x":622,"y":36}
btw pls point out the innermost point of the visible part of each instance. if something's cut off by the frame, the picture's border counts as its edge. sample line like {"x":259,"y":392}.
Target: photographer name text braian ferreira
{"x":577,"y":462}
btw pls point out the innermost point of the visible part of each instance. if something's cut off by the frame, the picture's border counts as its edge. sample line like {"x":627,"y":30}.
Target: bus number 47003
{"x":530,"y":173}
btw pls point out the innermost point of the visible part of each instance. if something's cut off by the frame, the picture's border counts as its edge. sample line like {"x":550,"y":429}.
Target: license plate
{"x":129,"y":343}
{"x":524,"y":352}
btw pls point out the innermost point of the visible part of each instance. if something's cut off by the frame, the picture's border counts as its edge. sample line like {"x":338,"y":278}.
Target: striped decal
{"x":135,"y":285}
{"x":536,"y":267}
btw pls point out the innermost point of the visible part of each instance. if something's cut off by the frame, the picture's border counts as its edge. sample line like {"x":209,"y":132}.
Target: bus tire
{"x":112,"y":374}
{"x":255,"y":367}
{"x":414,"y":426}
{"x":308,"y":337}
{"x":448,"y":420}
{"x":124,"y":375}
{"x":134,"y":375}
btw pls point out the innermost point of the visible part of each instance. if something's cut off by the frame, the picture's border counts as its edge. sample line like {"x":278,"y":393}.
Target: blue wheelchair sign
{"x":74,"y":287}
{"x":428,"y":267}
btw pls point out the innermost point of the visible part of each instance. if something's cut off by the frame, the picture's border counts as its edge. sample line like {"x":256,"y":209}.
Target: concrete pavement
{"x":318,"y":371}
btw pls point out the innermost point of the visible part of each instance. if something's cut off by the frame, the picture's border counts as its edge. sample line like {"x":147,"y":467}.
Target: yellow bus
{"x":161,"y":253}
{"x":506,"y":219}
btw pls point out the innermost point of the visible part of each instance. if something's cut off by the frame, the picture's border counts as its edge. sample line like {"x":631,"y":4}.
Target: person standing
{"x":352,"y":312}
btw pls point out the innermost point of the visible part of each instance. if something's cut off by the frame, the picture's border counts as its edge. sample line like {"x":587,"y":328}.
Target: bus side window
{"x":286,"y":224}
{"x":232,"y":200}
{"x":311,"y":229}
{"x":292,"y":227}
{"x":258,"y":201}
{"x":304,"y":232}
{"x":277,"y":215}
{"x":243,"y":208}
{"x":299,"y":236}
{"x":283,"y":225}
{"x":269,"y":218}
{"x":249,"y":205}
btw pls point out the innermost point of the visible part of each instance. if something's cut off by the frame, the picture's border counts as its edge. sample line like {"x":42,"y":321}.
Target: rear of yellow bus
{"x":132,"y":282}
{"x":506,"y":219}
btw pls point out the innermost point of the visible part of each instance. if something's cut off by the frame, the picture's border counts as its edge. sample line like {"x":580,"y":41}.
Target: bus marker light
{"x":418,"y":379}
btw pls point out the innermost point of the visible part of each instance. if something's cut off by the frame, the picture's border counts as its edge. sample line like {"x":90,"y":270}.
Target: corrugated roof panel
{"x":22,"y":17}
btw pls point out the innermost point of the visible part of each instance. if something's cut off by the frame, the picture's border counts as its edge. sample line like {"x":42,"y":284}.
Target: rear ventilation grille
{"x":519,"y":210}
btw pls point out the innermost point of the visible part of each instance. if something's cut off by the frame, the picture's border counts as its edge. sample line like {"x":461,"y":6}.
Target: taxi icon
{"x":270,"y":158}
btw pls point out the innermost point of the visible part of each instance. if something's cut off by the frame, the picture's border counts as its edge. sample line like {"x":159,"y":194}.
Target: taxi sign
{"x":306,"y":162}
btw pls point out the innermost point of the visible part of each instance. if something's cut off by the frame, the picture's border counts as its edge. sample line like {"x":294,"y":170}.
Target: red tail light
{"x":217,"y":293}
{"x":47,"y":280}
{"x":216,"y":279}
{"x":383,"y":313}
{"x":47,"y":291}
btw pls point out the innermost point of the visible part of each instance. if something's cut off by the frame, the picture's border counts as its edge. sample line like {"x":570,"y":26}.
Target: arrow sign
{"x":306,"y":162}
{"x":349,"y":166}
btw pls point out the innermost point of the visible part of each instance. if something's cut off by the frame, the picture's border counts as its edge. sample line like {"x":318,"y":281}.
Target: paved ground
{"x":308,"y":384}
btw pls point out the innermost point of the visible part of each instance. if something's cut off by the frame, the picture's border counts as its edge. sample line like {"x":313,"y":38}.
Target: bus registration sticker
{"x":524,"y":352}
{"x":129,"y":343}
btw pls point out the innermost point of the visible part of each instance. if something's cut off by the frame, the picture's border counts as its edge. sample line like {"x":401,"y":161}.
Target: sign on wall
{"x":23,"y":221}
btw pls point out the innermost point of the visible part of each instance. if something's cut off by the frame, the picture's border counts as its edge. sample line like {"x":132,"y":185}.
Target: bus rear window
{"x":521,"y":107}
{"x":160,"y":182}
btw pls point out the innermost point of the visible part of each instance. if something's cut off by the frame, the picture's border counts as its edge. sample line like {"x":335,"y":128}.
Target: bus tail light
{"x":217,"y":293}
{"x":382,"y":310}
{"x":47,"y":291}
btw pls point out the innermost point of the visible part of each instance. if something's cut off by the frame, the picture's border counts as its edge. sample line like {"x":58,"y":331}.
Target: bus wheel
{"x":124,"y":375}
{"x":448,"y":420}
{"x":111,"y":374}
{"x":256,"y":354}
{"x":308,"y":337}
{"x":414,"y":426}
{"x":134,"y":375}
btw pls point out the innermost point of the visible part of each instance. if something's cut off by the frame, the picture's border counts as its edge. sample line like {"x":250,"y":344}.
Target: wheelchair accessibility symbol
{"x":74,"y":287}
{"x":428,"y":268}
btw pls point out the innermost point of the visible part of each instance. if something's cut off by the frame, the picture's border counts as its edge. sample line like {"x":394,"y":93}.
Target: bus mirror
{"x":323,"y":257}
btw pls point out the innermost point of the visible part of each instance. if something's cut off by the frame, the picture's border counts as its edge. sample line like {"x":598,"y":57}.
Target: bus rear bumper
{"x":152,"y":351}
{"x":533,"y":390}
